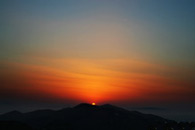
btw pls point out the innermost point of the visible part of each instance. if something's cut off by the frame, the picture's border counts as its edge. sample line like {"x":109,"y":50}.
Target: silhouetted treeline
{"x":14,"y":125}
{"x":174,"y":126}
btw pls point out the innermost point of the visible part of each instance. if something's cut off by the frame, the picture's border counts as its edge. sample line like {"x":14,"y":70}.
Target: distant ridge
{"x":84,"y":117}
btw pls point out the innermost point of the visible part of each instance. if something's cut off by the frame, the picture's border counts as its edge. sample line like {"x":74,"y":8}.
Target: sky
{"x":132,"y":53}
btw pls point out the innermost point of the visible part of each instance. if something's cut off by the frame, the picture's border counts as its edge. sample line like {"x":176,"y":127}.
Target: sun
{"x":93,"y":104}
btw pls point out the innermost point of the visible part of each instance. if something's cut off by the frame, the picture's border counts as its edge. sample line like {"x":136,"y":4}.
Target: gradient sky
{"x":126,"y":52}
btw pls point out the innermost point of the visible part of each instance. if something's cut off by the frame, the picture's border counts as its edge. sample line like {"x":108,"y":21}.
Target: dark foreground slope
{"x":82,"y":117}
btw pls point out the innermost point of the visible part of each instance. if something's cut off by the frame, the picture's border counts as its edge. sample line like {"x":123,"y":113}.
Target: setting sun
{"x":93,"y":104}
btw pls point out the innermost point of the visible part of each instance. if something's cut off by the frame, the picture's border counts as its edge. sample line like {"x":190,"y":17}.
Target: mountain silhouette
{"x":84,"y":117}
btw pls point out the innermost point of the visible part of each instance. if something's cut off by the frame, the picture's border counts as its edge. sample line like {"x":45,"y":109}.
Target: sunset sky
{"x":126,"y":52}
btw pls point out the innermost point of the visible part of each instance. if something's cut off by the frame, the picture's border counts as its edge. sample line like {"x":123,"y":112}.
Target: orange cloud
{"x":89,"y":80}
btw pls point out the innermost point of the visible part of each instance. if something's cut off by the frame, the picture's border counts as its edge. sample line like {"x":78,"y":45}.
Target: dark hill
{"x":86,"y":117}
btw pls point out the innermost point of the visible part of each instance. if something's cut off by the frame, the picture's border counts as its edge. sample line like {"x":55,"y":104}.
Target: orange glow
{"x":93,"y":104}
{"x":97,"y":81}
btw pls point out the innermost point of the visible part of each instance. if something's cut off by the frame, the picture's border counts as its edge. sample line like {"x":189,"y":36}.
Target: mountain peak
{"x":85,"y":105}
{"x":86,"y":116}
